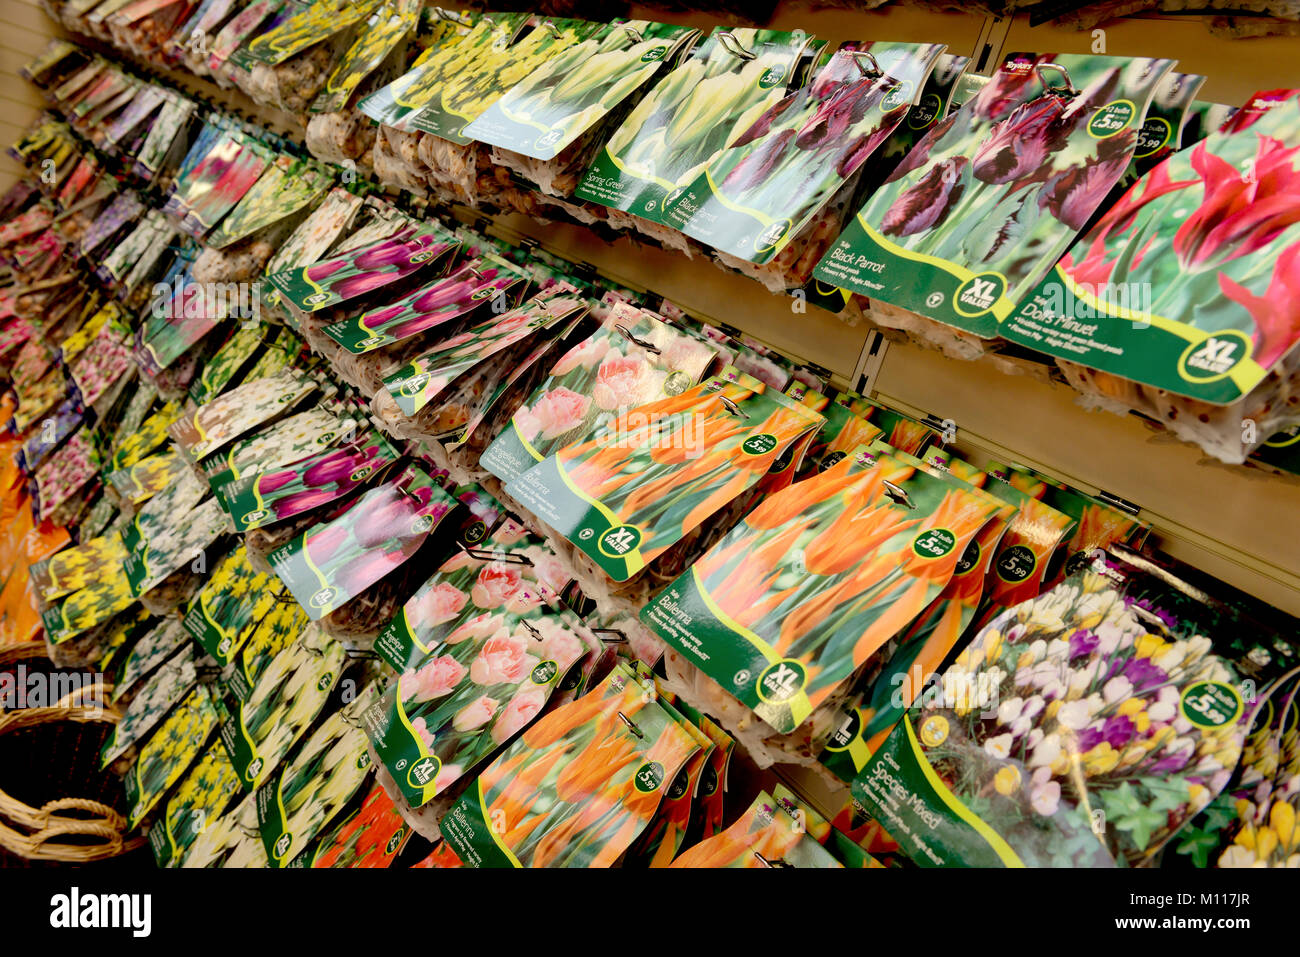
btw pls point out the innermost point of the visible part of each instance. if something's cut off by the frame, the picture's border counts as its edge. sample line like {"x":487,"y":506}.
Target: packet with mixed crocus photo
{"x":578,"y":786}
{"x":986,"y":202}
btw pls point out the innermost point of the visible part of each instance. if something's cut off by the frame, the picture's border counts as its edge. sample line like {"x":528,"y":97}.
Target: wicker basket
{"x":48,"y":752}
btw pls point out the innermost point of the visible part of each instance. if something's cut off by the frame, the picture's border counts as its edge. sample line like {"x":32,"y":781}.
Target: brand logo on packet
{"x":282,"y":844}
{"x":372,"y":341}
{"x":651,"y":55}
{"x":325,"y":681}
{"x":1214,"y":357}
{"x":620,"y":540}
{"x":781,"y":681}
{"x":978,"y":294}
{"x":256,"y":515}
{"x":648,"y":777}
{"x":423,"y":771}
{"x":322,"y":597}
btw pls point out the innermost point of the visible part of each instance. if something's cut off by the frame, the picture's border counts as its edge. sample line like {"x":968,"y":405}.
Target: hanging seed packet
{"x":564,"y":98}
{"x":287,"y":186}
{"x":491,"y":586}
{"x":231,"y":603}
{"x":815,"y":580}
{"x":766,"y":835}
{"x":693,"y":113}
{"x":104,"y":360}
{"x":288,"y":696}
{"x":154,"y":647}
{"x":761,"y":191}
{"x":427,"y":379}
{"x":899,"y":431}
{"x":315,"y":234}
{"x":231,"y":840}
{"x":320,"y":780}
{"x":659,"y":843}
{"x":334,"y":561}
{"x":1067,"y":734}
{"x":577,"y":787}
{"x":395,"y":104}
{"x":199,"y":800}
{"x":166,"y":755}
{"x":371,"y":837}
{"x":465,"y":289}
{"x":472,"y":692}
{"x":228,"y":361}
{"x":631,"y":360}
{"x":479,"y":83}
{"x":693,"y":453}
{"x":987,"y":201}
{"x":216,"y":185}
{"x":1162,"y":129}
{"x":76,"y":567}
{"x":227,"y":417}
{"x":167,"y":686}
{"x":163,"y":134}
{"x":1204,"y":312}
{"x":156,"y":517}
{"x":139,"y":482}
{"x":276,"y":494}
{"x":389,"y":24}
{"x":108,"y":593}
{"x":280,"y":626}
{"x":346,"y":276}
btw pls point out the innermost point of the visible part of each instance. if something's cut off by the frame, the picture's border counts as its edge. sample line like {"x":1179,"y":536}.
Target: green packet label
{"x":550,"y":109}
{"x":689,"y":116}
{"x":330,"y":563}
{"x":582,"y":491}
{"x":947,"y":236}
{"x":471,"y":693}
{"x":348,"y":275}
{"x":198,"y":801}
{"x":759,"y":193}
{"x":288,"y":696}
{"x":1198,"y":313}
{"x":229,"y":605}
{"x":166,"y":755}
{"x":324,"y":775}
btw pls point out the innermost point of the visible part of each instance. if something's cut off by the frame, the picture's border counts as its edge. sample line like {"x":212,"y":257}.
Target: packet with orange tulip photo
{"x":799,"y":595}
{"x":578,"y":787}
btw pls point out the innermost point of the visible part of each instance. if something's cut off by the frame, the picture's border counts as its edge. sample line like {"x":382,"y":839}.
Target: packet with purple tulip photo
{"x":990,"y":198}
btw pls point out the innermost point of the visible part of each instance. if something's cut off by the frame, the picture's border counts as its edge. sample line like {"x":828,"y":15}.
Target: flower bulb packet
{"x":334,"y":561}
{"x":210,"y":427}
{"x":1218,"y":261}
{"x":358,"y":271}
{"x":289,"y":440}
{"x":769,"y":183}
{"x":385,"y":30}
{"x":153,"y":648}
{"x":141,"y":441}
{"x":766,"y":835}
{"x":665,"y":835}
{"x":306,"y":26}
{"x":455,"y":295}
{"x":692,"y":113}
{"x":139,"y":482}
{"x":992,"y":195}
{"x":229,"y":605}
{"x":560,"y":101}
{"x":321,"y":778}
{"x":799,"y":595}
{"x":277,"y":629}
{"x":286,"y":187}
{"x":274,"y":495}
{"x":898,"y":431}
{"x":1071,"y":731}
{"x":231,"y":840}
{"x":692,"y":454}
{"x":170,"y":750}
{"x":287,"y":698}
{"x":429,"y":377}
{"x":373,"y":836}
{"x":209,"y":190}
{"x":97,"y":601}
{"x":464,"y":96}
{"x":471,"y":694}
{"x":66,"y":471}
{"x":577,"y":787}
{"x":200,"y":799}
{"x":153,"y":560}
{"x":633,"y":358}
{"x":165,"y":687}
{"x":231,"y":358}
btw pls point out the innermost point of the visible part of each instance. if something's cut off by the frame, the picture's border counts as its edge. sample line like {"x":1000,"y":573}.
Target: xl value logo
{"x":978,"y":294}
{"x":1215,"y":357}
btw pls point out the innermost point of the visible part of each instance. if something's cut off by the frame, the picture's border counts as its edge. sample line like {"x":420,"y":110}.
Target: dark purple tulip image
{"x":930,"y":200}
{"x":1020,"y":144}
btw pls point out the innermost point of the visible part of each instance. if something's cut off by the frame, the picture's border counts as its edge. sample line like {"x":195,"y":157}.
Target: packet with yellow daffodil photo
{"x":1083,"y":727}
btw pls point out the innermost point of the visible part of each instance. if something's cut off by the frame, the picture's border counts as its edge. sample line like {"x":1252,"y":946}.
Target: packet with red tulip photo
{"x":986,"y":202}
{"x":334,"y":561}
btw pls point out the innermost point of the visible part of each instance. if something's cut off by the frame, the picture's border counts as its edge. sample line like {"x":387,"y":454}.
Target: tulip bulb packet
{"x":373,"y":836}
{"x":335,"y":561}
{"x":772,"y":180}
{"x":815,"y":580}
{"x":291,"y":439}
{"x":275,"y":494}
{"x":558,"y":103}
{"x":259,"y":731}
{"x":229,"y":605}
{"x":473,"y":691}
{"x":633,"y":358}
{"x":355,"y":272}
{"x":577,"y":787}
{"x":991,"y":196}
{"x":1076,"y":729}
{"x":693,"y":112}
{"x":766,"y":835}
{"x":168,"y":752}
{"x":1215,"y":314}
{"x":692,"y":454}
{"x":316,"y":784}
{"x":466,"y":288}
